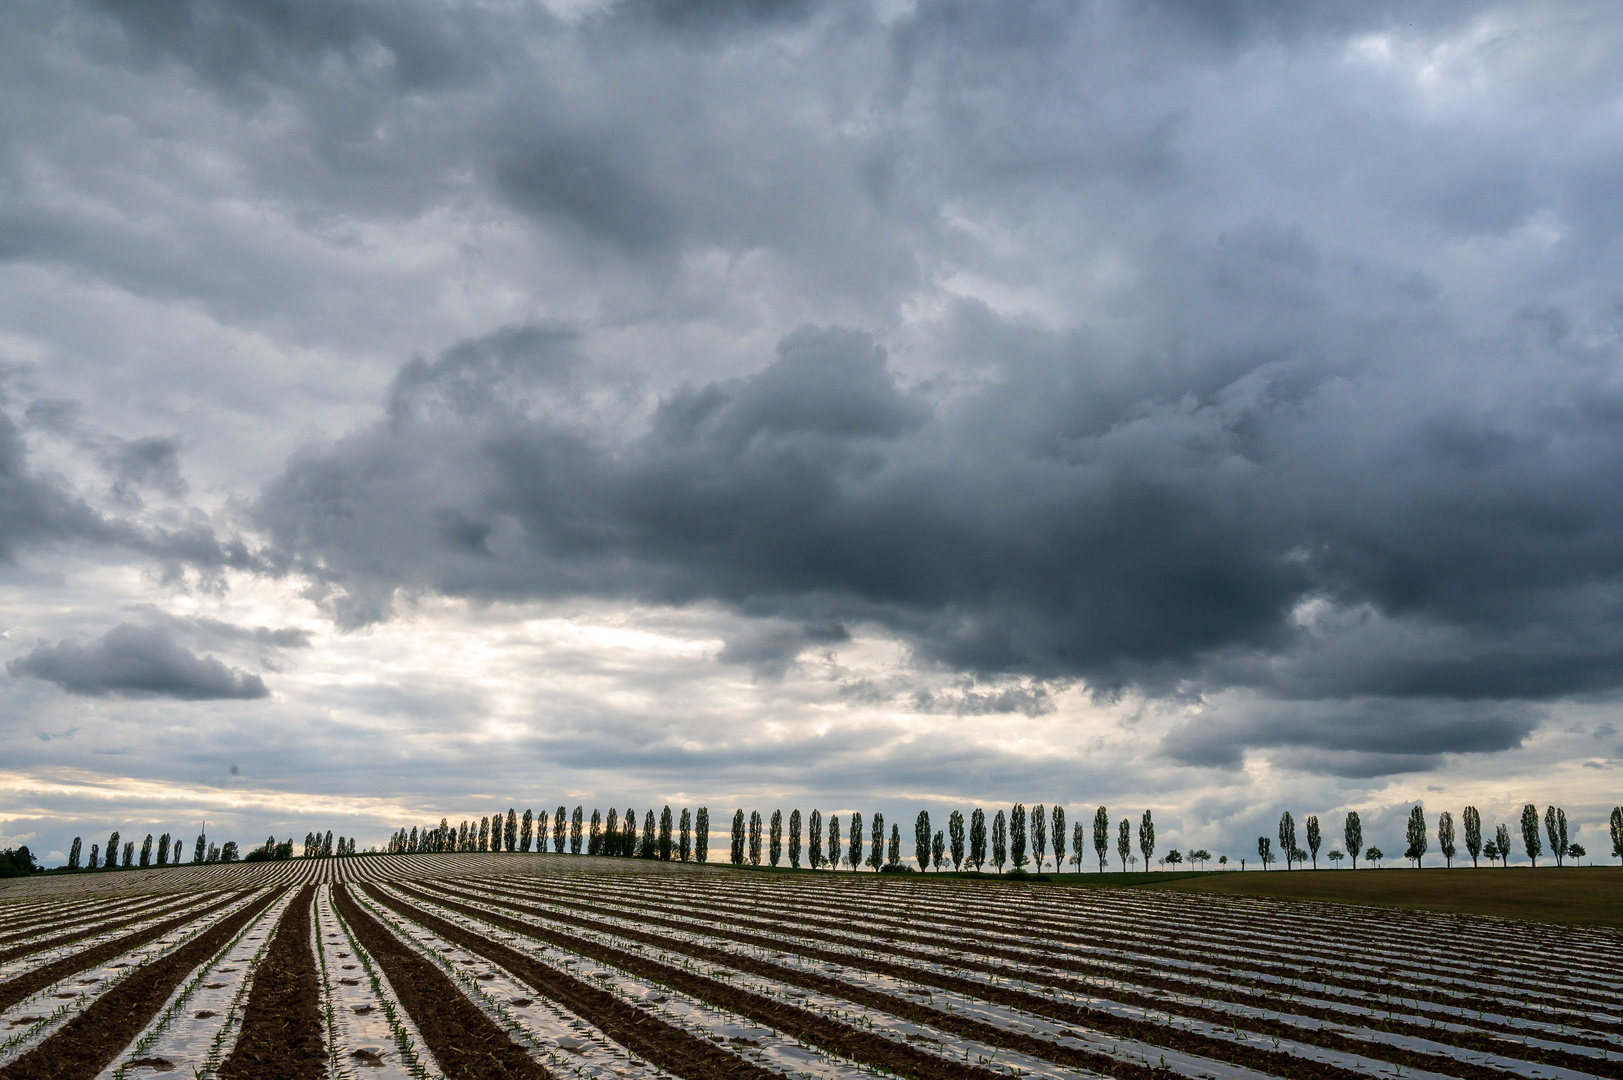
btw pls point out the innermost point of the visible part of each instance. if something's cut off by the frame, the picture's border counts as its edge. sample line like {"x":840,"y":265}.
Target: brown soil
{"x":730,"y":918}
{"x":466,"y":1043}
{"x":281,"y":1027}
{"x":98,"y":926}
{"x":39,"y":978}
{"x":803,"y":1024}
{"x":88,"y":1043}
{"x":75,"y":913}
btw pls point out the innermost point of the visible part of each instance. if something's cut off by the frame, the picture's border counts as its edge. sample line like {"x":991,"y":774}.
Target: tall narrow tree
{"x":774,"y":838}
{"x":649,"y":848}
{"x":1039,"y":835}
{"x":1445,"y":838}
{"x":955,"y":839}
{"x":701,"y":835}
{"x":834,"y":841}
{"x":1265,"y":851}
{"x":755,"y":838}
{"x":1124,"y":842}
{"x":73,"y":853}
{"x":1352,"y":833}
{"x":163,"y":850}
{"x":921,"y":839}
{"x":667,"y":826}
{"x":1079,"y":837}
{"x":1146,"y":838}
{"x":794,"y":839}
{"x":1000,"y":841}
{"x":853,"y":855}
{"x":560,"y":830}
{"x":112,"y":849}
{"x":938,"y":849}
{"x":594,"y":833}
{"x":575,"y":821}
{"x":977,"y":839}
{"x":1017,"y":836}
{"x":738,"y":837}
{"x":129,"y":852}
{"x":1615,"y":825}
{"x":893,"y":849}
{"x":611,"y":832}
{"x":1314,"y":839}
{"x":684,"y":842}
{"x":1530,"y":839}
{"x":1059,"y":839}
{"x":876,"y":847}
{"x":95,"y":857}
{"x":526,"y":829}
{"x":1415,"y":834}
{"x":814,"y":840}
{"x":1287,"y":837}
{"x":1501,"y":837}
{"x":1555,"y":827}
{"x":628,"y":834}
{"x":1472,"y":822}
{"x":1101,"y":836}
{"x":510,"y":833}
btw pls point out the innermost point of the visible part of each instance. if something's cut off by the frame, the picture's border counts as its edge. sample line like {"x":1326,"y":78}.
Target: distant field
{"x":1588,"y":896}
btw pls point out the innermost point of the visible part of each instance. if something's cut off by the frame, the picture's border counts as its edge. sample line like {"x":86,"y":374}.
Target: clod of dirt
{"x":349,"y":967}
{"x":739,"y":1040}
{"x":573,"y":1045}
{"x":519,"y":1003}
{"x":655,"y":998}
{"x":21,"y":1020}
{"x":158,"y":1063}
{"x":360,"y":1010}
{"x":350,"y":982}
{"x":372,"y":1059}
{"x":225,"y":971}
{"x":204,"y":1015}
{"x":67,"y":995}
{"x":487,"y":976}
{"x":343,"y":956}
{"x":214,"y":986}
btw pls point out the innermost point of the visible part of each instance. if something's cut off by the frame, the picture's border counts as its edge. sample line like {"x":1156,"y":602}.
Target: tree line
{"x":170,"y":851}
{"x":1417,"y":836}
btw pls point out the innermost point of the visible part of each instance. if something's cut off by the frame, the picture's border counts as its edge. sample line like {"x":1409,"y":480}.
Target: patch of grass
{"x":1589,"y":895}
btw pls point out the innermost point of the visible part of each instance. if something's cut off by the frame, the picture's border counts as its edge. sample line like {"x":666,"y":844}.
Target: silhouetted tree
{"x":977,"y":838}
{"x":834,"y":841}
{"x":921,"y":839}
{"x":526,"y":829}
{"x":163,"y":850}
{"x":1124,"y":842}
{"x":1314,"y":839}
{"x":1530,"y":840}
{"x":1472,"y":822}
{"x":649,"y":847}
{"x":1415,"y":834}
{"x":510,"y":833}
{"x":893,"y":850}
{"x":73,"y":853}
{"x":938,"y":849}
{"x":794,"y":839}
{"x":1616,"y":825}
{"x":1353,"y":833}
{"x":1445,"y":838}
{"x":480,"y":841}
{"x":666,"y":825}
{"x":1265,"y":850}
{"x":684,"y":843}
{"x":129,"y":852}
{"x":560,"y":830}
{"x":1039,"y":835}
{"x":1555,"y":827}
{"x":1017,"y":836}
{"x":774,"y":837}
{"x":814,"y":840}
{"x":1059,"y":840}
{"x":1287,"y":837}
{"x":701,"y":835}
{"x":594,"y":833}
{"x":575,"y":821}
{"x":1000,"y":841}
{"x":876,"y":848}
{"x":1501,"y":836}
{"x":112,"y":849}
{"x":611,"y":832}
{"x":628,"y":834}
{"x":1101,"y":838}
{"x":853,"y":856}
{"x":1146,"y":838}
{"x":955,"y":839}
{"x":146,"y":851}
{"x":738,"y":837}
{"x":1079,"y":836}
{"x":95,"y":857}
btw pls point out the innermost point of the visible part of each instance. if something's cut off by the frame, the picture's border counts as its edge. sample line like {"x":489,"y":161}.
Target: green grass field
{"x":1590,"y":895}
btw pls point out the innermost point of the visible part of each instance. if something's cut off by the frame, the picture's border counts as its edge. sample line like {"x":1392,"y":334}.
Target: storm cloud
{"x":134,"y":661}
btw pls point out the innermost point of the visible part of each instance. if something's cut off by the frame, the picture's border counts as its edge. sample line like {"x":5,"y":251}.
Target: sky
{"x":420,"y":408}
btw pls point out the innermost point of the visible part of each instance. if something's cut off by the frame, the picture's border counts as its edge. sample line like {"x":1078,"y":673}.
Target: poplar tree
{"x":146,"y":851}
{"x":774,"y":838}
{"x":526,"y":827}
{"x":1000,"y":841}
{"x":666,"y":825}
{"x":1472,"y":821}
{"x":684,"y":842}
{"x":1017,"y":836}
{"x":559,"y":828}
{"x":938,"y":849}
{"x":1445,"y":838}
{"x":648,"y":849}
{"x":326,"y":845}
{"x":129,"y":852}
{"x":1353,"y":834}
{"x":1059,"y":839}
{"x":1039,"y":835}
{"x":1555,"y":827}
{"x":575,"y":821}
{"x":73,"y":854}
{"x":509,"y":832}
{"x":955,"y":839}
{"x":628,"y":833}
{"x":876,"y":846}
{"x":738,"y":837}
{"x":853,"y":857}
{"x":1615,"y":823}
{"x":112,"y":849}
{"x":1146,"y":838}
{"x":1415,"y":835}
{"x":611,"y":833}
{"x":481,"y":839}
{"x":893,"y":850}
{"x":163,"y":849}
{"x":594,"y":833}
{"x":794,"y":839}
{"x":1101,"y":836}
{"x":1314,"y":838}
{"x":1265,"y":850}
{"x":921,"y":839}
{"x":834,"y":841}
{"x":95,"y":857}
{"x":1124,"y":842}
{"x":1079,"y":838}
{"x":814,"y":839}
{"x":977,"y":838}
{"x":1501,"y":836}
{"x":701,"y":835}
{"x":1287,"y":837}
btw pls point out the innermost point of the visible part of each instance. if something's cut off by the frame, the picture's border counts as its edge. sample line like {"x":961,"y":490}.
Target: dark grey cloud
{"x":136,"y":662}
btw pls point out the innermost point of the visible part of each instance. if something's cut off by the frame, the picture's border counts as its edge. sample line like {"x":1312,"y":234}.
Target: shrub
{"x":701,"y":835}
{"x":794,"y":839}
{"x":977,"y":838}
{"x":814,"y":839}
{"x":666,"y":824}
{"x":684,"y":842}
{"x":774,"y":838}
{"x":955,"y":839}
{"x":1000,"y":841}
{"x":921,"y":839}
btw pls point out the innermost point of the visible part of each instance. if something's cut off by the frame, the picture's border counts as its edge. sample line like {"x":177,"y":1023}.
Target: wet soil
{"x":281,"y":1026}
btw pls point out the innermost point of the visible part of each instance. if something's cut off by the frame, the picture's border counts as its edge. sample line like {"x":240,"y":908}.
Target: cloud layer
{"x":134,"y":661}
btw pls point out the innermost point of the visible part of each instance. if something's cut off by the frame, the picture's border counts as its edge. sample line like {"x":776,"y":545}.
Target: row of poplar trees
{"x":684,"y":837}
{"x":1497,"y":848}
{"x":169,"y":852}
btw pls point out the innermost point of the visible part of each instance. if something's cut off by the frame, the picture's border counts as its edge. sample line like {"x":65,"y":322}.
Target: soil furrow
{"x":466,"y":1043}
{"x":88,"y":1043}
{"x":281,"y":1027}
{"x":95,"y":928}
{"x":806,"y":1025}
{"x":59,"y":921}
{"x":29,"y":982}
